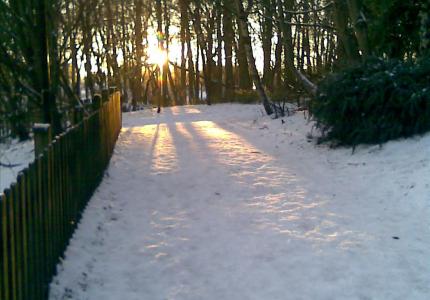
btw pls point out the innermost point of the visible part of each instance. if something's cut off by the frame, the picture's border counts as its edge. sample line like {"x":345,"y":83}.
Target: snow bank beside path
{"x":14,"y":157}
{"x":222,"y":202}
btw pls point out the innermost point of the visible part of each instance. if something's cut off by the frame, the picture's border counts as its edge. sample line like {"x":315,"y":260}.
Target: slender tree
{"x":242,"y":19}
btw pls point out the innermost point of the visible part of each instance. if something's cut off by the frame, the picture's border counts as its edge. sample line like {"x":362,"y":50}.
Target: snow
{"x":14,"y":157}
{"x":221,"y":202}
{"x":41,"y":126}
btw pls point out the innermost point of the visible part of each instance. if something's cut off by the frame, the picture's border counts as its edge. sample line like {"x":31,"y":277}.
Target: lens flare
{"x":158,"y":56}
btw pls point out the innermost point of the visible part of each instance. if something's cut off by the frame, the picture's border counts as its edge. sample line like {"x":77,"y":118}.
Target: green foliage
{"x":425,"y":28}
{"x":394,"y":27}
{"x":375,"y":102}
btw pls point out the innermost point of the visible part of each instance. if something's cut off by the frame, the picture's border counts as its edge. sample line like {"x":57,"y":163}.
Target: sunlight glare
{"x":158,"y":57}
{"x":164,"y":156}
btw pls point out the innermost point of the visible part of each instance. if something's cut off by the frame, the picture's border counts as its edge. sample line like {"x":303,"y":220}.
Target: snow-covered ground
{"x":222,"y":203}
{"x":14,"y":157}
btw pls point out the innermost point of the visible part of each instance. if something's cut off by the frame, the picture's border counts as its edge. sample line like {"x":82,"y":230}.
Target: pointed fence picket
{"x":39,"y":212}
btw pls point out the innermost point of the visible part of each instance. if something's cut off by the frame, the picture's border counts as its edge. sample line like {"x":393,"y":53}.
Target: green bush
{"x":375,"y":102}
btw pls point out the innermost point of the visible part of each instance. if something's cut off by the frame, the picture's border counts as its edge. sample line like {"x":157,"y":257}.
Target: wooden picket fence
{"x":39,"y":212}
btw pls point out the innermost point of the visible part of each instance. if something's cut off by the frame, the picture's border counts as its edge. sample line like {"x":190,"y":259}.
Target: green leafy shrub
{"x":394,"y":26}
{"x":375,"y":102}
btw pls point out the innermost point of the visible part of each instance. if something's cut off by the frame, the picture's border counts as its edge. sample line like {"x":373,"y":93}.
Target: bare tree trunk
{"x":165,"y":84}
{"x":277,"y":71}
{"x":242,"y":20}
{"x":191,"y":78}
{"x":306,"y":43}
{"x":159,"y":15}
{"x":355,"y":8}
{"x":285,"y":27}
{"x":184,"y":24}
{"x":205,"y":52}
{"x":75,"y":68}
{"x":218,"y":90}
{"x":87,"y":49}
{"x":245,"y":81}
{"x":299,"y":53}
{"x":173,"y":87}
{"x":266,"y":37}
{"x":114,"y":41}
{"x":197,"y":73}
{"x":228,"y":50}
{"x":125,"y":79}
{"x":46,"y":50}
{"x":341,"y":23}
{"x":307,"y":84}
{"x":137,"y":92}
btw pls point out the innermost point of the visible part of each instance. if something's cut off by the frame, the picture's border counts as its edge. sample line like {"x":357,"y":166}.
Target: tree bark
{"x":125,"y":79}
{"x":184,"y":24}
{"x":307,"y":84}
{"x":266,"y":37}
{"x":242,"y":20}
{"x":218,"y":90}
{"x":165,"y":84}
{"x":359,"y":22}
{"x":228,"y":50}
{"x":50,"y":113}
{"x":159,"y":16}
{"x":245,"y":82}
{"x":191,"y":76}
{"x":346,"y":40}
{"x":138,"y":84}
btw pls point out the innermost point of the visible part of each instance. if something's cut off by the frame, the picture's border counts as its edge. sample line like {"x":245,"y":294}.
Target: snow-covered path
{"x":221,"y":203}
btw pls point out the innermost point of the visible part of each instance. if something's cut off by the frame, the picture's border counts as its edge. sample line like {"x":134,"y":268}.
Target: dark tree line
{"x":97,"y":44}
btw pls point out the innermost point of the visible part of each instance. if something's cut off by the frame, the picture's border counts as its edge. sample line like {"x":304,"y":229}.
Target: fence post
{"x":4,"y":268}
{"x":40,"y":211}
{"x":97,"y":102}
{"x":112,"y":90}
{"x":105,"y":95}
{"x":42,"y":137}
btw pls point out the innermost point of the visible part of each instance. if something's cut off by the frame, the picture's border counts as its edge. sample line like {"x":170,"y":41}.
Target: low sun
{"x":157,"y":56}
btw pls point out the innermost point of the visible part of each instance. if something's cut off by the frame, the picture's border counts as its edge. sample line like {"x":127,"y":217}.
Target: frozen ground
{"x":14,"y":157}
{"x":222,"y":203}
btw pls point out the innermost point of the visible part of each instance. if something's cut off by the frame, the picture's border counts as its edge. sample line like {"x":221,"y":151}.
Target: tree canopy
{"x":164,"y":52}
